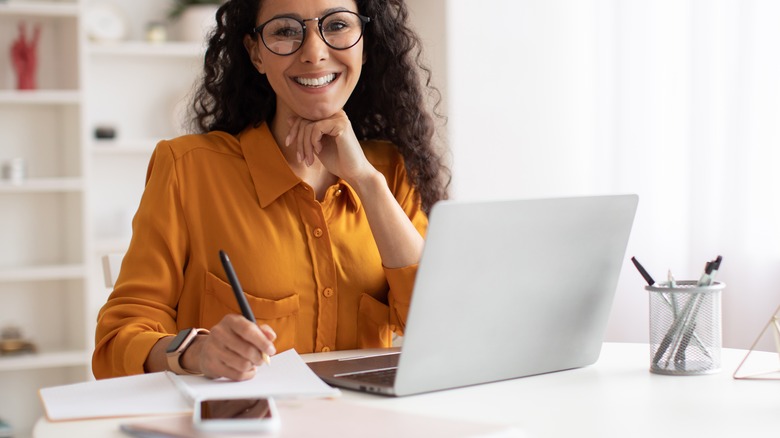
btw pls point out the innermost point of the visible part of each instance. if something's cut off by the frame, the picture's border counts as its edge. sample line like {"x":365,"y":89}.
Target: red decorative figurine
{"x":24,"y":54}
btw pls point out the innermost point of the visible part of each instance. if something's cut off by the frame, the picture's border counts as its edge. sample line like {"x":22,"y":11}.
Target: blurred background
{"x":677,"y":101}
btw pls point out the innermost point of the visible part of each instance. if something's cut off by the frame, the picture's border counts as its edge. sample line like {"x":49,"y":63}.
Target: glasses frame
{"x":363,"y":21}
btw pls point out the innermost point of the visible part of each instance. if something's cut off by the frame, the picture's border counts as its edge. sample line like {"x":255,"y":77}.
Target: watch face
{"x":177,"y":341}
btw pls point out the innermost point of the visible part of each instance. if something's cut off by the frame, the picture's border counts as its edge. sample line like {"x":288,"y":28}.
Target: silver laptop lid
{"x":513,"y":288}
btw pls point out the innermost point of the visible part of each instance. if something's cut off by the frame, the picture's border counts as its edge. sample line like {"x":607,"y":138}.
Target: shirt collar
{"x":354,"y":201}
{"x":271,"y":175}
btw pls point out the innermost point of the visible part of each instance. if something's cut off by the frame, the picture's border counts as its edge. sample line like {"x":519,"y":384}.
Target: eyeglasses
{"x":285,"y":35}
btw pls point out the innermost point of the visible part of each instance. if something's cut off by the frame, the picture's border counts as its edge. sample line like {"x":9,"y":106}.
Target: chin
{"x":317,"y":113}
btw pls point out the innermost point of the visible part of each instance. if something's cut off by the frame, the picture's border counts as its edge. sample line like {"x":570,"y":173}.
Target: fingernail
{"x":287,"y":141}
{"x":299,"y":156}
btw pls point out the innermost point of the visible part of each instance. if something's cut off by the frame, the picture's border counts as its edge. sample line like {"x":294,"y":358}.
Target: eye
{"x":335,"y":26}
{"x":341,"y":22}
{"x":286,"y":32}
{"x":283,"y":28}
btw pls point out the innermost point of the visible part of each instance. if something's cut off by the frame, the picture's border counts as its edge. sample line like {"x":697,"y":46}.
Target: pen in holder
{"x":685,"y":328}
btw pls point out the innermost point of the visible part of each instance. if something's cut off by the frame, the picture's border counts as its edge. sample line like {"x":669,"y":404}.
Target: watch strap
{"x":174,"y":357}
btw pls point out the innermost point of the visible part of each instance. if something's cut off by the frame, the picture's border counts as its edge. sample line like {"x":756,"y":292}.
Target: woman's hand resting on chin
{"x":333,"y":142}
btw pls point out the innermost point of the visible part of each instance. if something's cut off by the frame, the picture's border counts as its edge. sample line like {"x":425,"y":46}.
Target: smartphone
{"x":236,"y":415}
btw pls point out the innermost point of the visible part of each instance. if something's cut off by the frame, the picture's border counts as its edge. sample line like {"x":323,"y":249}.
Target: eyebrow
{"x":299,"y":17}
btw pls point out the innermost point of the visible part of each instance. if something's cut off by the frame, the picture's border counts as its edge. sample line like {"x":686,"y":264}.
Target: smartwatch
{"x":178,"y":346}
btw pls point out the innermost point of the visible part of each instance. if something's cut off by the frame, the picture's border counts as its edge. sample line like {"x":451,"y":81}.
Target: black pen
{"x":239,"y":293}
{"x":642,"y":271}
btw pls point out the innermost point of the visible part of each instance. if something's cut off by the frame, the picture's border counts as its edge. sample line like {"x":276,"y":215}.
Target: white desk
{"x":616,"y":397}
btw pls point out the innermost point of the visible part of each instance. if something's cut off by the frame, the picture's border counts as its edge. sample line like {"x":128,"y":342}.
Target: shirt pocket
{"x":280,"y":314}
{"x":373,"y":323}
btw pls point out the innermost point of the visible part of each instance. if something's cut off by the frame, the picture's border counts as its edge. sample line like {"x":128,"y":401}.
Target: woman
{"x":314,"y":171}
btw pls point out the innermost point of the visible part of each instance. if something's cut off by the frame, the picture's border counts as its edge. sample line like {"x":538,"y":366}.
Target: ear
{"x":253,"y":50}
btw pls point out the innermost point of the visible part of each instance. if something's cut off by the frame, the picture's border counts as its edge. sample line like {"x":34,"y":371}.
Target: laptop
{"x":504,"y":289}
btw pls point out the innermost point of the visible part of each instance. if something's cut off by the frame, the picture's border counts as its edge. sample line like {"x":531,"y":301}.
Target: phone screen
{"x":244,"y":408}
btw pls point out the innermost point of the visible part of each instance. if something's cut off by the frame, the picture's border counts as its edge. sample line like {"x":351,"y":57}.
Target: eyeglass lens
{"x":340,"y":30}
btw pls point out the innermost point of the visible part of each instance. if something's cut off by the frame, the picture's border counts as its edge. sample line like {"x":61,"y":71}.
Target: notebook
{"x":504,"y":289}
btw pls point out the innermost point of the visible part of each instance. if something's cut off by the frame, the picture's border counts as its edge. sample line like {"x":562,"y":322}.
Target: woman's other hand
{"x":333,"y":142}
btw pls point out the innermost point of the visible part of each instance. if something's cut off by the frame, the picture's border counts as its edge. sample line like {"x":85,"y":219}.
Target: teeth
{"x":316,"y":82}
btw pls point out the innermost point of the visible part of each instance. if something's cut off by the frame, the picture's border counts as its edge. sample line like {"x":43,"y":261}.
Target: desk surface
{"x":616,"y":397}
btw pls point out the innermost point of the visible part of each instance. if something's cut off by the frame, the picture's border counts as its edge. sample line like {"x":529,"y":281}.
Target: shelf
{"x":43,"y":185}
{"x":176,"y":49}
{"x":52,"y":359}
{"x":124,"y":147}
{"x":111,"y":245}
{"x":43,"y":273}
{"x":40,"y":97}
{"x":40,"y":9}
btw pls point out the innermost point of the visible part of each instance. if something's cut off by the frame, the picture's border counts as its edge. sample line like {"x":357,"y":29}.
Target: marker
{"x":689,"y":327}
{"x":710,"y":269}
{"x":239,"y":293}
{"x":642,"y":271}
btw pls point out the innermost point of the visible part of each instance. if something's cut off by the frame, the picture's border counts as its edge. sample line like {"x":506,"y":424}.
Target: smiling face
{"x":316,"y":81}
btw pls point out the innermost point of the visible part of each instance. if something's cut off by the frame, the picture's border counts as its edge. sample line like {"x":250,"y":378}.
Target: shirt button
{"x":328,"y":292}
{"x":338,"y":192}
{"x":318,"y":232}
{"x":325,"y":349}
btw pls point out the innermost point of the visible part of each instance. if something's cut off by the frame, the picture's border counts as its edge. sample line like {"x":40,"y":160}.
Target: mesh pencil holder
{"x":685,"y":328}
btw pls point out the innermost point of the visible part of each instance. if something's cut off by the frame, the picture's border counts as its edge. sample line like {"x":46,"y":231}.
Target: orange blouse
{"x":310,"y":269}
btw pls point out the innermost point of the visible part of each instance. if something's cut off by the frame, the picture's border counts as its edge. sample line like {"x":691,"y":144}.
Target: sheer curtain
{"x":675,"y":100}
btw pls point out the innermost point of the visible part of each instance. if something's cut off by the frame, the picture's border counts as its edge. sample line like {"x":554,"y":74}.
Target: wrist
{"x":368,"y":183}
{"x":179,"y":346}
{"x":190,"y":360}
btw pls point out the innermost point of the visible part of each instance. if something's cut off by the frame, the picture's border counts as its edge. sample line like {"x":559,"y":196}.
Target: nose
{"x":314,"y":48}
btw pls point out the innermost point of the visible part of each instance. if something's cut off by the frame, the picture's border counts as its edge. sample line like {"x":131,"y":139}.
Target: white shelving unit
{"x":142,"y":113}
{"x":80,"y":193}
{"x":44,"y":281}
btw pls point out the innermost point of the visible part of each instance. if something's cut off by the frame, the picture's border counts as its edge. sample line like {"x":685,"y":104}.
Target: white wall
{"x":521,"y":89}
{"x":667,"y":99}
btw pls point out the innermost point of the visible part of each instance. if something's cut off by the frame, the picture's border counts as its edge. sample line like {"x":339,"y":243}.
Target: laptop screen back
{"x":513,"y":288}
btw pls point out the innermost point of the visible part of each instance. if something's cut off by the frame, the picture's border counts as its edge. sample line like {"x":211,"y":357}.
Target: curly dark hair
{"x":388,"y":102}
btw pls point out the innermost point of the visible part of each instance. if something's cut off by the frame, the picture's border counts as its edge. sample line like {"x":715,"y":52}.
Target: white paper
{"x":156,"y":393}
{"x":144,"y":394}
{"x":286,"y":376}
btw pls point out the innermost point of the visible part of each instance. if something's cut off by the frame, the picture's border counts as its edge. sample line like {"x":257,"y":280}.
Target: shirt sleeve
{"x":401,"y":280}
{"x":142,"y":307}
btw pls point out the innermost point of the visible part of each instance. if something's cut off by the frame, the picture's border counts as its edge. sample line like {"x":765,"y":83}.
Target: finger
{"x":292,"y":122}
{"x":300,"y":128}
{"x":241,"y":337}
{"x":215,"y":367}
{"x":36,"y":34}
{"x":308,"y":149}
{"x":254,"y":345}
{"x":269,"y":349}
{"x":269,"y":332}
{"x":316,"y":139}
{"x":218,"y":361}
